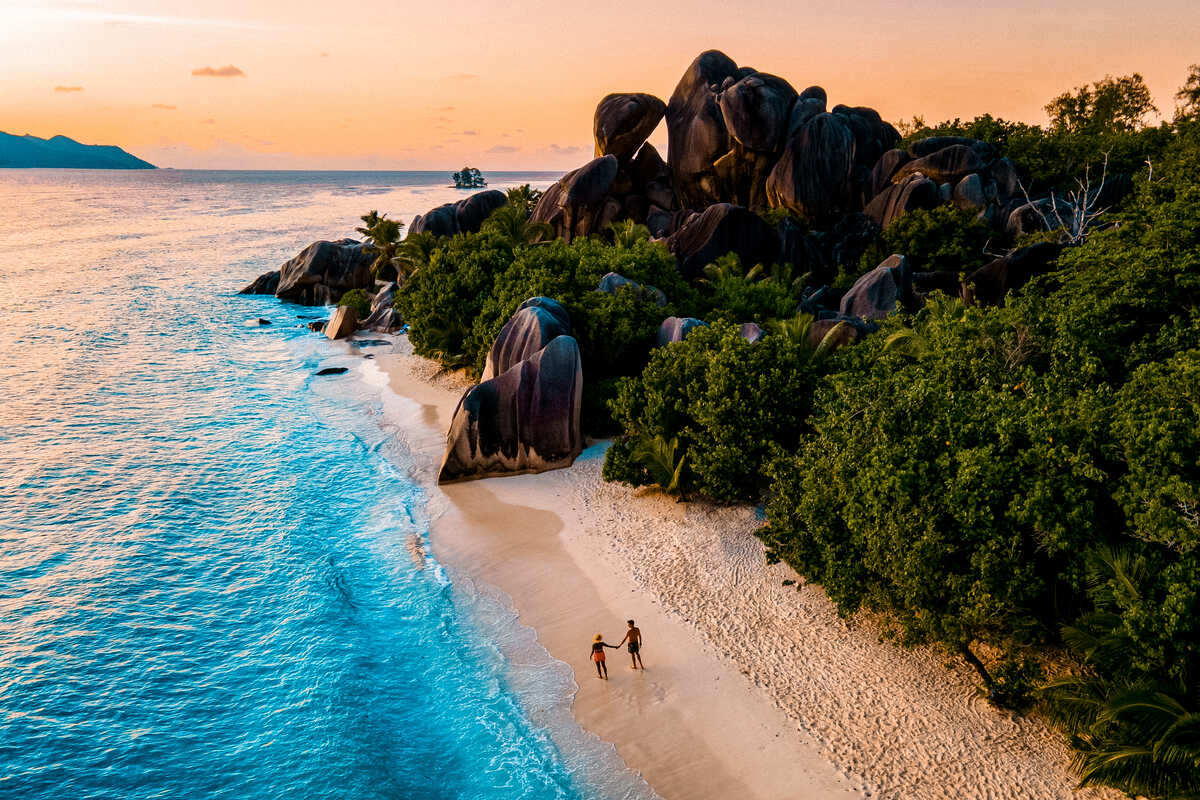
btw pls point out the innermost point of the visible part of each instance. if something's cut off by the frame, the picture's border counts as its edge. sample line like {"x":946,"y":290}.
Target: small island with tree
{"x":468,"y":178}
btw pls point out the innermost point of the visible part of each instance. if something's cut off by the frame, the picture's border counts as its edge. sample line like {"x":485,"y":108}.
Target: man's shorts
{"x":633,"y":647}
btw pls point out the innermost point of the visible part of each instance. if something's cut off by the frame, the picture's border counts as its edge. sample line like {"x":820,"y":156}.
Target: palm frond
{"x":657,"y":455}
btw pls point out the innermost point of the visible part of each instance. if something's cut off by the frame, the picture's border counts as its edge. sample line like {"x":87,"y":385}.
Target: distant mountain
{"x":59,"y":151}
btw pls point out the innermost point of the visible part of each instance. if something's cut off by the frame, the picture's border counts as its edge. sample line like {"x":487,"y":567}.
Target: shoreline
{"x":752,"y":688}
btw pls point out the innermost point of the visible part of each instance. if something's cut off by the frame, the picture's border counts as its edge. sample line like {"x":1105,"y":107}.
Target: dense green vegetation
{"x":1005,"y":482}
{"x":1088,"y":126}
{"x":999,"y":480}
{"x":359,"y":300}
{"x":943,"y":239}
{"x":468,"y":178}
{"x":468,"y":286}
{"x":706,"y":392}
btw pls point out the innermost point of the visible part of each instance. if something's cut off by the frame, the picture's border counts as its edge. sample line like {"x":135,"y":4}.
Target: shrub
{"x":441,"y":301}
{"x":943,"y":238}
{"x":735,"y":299}
{"x":952,"y":489}
{"x":725,"y":400}
{"x":359,"y":300}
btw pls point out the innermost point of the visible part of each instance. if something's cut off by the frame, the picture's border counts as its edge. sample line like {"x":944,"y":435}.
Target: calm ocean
{"x":205,"y":586}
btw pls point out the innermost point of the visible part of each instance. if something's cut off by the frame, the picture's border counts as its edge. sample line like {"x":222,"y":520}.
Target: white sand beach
{"x":752,"y":688}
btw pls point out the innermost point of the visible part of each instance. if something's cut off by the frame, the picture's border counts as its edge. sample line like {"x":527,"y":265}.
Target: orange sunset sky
{"x":279,"y":84}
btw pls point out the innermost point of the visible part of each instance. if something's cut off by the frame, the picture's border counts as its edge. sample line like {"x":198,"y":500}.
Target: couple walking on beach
{"x":634,"y":638}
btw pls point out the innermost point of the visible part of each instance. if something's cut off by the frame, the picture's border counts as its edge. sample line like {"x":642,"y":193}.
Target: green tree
{"x":468,"y":178}
{"x":1133,"y":722}
{"x":1189,"y":94}
{"x":725,"y":400}
{"x":940,"y":239}
{"x":1112,"y":104}
{"x":383,"y":237}
{"x":414,"y":253}
{"x":513,"y":223}
{"x":441,"y":301}
{"x":628,"y":233}
{"x":950,"y":489}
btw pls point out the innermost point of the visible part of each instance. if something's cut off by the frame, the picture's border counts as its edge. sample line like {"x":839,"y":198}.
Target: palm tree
{"x":627,"y":233}
{"x":907,"y":342}
{"x":729,"y":267}
{"x":511,"y":221}
{"x":1139,"y":735}
{"x":382,"y":235}
{"x":785,"y":275}
{"x":445,"y":342}
{"x":657,"y":455}
{"x":798,"y":328}
{"x":414,"y":253}
{"x":524,"y":196}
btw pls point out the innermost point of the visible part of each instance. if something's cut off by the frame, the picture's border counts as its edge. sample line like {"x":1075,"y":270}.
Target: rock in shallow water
{"x":324,"y":271}
{"x":342,"y":323}
{"x":332,"y":370}
{"x":266,"y":283}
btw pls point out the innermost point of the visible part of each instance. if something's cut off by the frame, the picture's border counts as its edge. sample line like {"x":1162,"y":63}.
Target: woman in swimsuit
{"x":598,"y":646}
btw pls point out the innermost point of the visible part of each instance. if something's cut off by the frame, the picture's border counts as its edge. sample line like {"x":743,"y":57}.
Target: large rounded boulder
{"x":531,"y":328}
{"x":696,"y":131}
{"x":324,"y":271}
{"x":266,"y":283}
{"x":756,"y":110}
{"x":897,"y":199}
{"x":676,"y":329}
{"x":872,"y":136}
{"x":652,"y":178}
{"x":723,"y":228}
{"x":876,"y":294}
{"x":989,"y":284}
{"x":948,"y":165}
{"x":464,"y":216}
{"x":384,"y":318}
{"x":524,"y":420}
{"x":579,"y":203}
{"x":815,"y":175}
{"x":623,"y":121}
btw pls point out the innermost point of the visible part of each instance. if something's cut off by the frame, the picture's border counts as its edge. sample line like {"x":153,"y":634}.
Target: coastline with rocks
{"x":689,"y":308}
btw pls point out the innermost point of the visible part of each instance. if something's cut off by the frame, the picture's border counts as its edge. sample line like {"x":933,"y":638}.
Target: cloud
{"x":227,"y":71}
{"x":463,"y":76}
{"x":68,"y":88}
{"x":209,"y":121}
{"x":558,"y":150}
{"x":467,"y":133}
{"x":502,"y":149}
{"x":324,"y":55}
{"x":164,"y":107}
{"x":444,"y":108}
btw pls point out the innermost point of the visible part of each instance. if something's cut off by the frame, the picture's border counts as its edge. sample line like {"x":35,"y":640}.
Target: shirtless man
{"x":634,"y":637}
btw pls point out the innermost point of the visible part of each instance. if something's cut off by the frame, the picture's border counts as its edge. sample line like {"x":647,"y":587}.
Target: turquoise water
{"x":206,"y":583}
